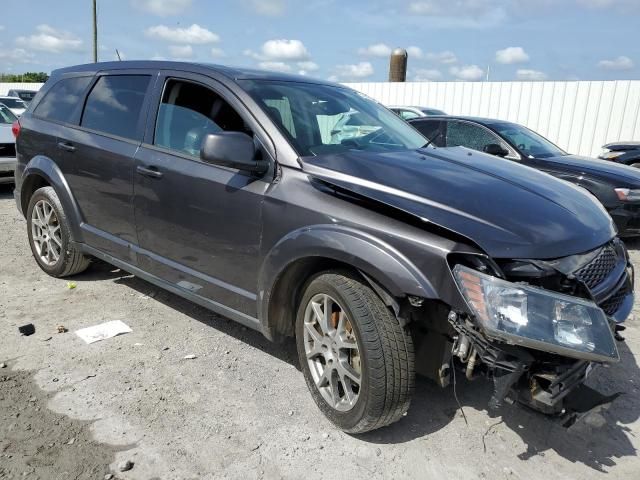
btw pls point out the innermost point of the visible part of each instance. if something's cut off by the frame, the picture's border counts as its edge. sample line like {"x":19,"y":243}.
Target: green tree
{"x":27,"y":77}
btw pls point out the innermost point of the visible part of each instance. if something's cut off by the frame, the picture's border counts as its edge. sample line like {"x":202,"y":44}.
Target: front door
{"x":199,"y":225}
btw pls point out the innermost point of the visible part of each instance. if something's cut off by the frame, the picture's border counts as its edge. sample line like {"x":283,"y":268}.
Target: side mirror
{"x":232,"y":149}
{"x":496,"y":149}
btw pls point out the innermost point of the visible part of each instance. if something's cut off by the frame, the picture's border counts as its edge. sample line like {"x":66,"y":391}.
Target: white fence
{"x":5,"y":87}
{"x":579,"y":117}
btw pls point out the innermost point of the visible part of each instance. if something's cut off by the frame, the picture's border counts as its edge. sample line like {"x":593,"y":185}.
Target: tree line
{"x":28,"y":77}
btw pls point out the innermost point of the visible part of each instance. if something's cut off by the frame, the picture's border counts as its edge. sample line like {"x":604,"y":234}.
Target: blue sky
{"x":345,"y":40}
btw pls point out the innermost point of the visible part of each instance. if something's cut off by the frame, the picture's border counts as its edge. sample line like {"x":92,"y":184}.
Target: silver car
{"x":7,"y":145}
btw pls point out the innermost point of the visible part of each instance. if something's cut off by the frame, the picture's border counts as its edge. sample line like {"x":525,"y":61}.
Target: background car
{"x":14,"y":104}
{"x":407,"y":113}
{"x":7,"y":145}
{"x":25,"y":95}
{"x":616,"y":186}
{"x":627,"y":153}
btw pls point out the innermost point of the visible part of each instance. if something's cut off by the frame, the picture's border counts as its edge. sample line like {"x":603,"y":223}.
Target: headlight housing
{"x":537,"y":318}
{"x":609,"y":155}
{"x":628,"y":194}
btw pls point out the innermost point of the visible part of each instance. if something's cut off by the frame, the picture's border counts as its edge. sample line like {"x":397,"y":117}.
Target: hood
{"x":6,"y":136}
{"x":622,"y":146}
{"x":508,"y":210}
{"x":600,"y":168}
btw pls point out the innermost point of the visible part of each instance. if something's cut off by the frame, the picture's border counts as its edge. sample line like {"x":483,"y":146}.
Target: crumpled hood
{"x":600,"y":168}
{"x":509,"y":210}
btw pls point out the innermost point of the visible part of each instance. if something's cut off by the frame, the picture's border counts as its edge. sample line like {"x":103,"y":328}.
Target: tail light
{"x":15,"y":128}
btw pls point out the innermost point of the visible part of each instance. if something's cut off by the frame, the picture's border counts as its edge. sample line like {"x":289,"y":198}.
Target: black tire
{"x":385,"y":350}
{"x":71,"y":260}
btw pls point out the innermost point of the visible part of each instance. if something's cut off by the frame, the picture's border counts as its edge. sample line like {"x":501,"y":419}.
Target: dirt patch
{"x":36,"y":443}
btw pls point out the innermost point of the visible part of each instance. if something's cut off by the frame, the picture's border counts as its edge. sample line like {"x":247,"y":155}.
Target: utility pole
{"x":95,"y":32}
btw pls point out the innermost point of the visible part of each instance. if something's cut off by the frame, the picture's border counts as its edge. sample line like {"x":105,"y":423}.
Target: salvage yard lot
{"x":241,"y":408}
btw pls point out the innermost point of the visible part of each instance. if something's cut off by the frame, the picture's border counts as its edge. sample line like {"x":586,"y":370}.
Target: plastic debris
{"x":190,"y":357}
{"x":71,"y":285}
{"x":103,"y":331}
{"x":28,"y":329}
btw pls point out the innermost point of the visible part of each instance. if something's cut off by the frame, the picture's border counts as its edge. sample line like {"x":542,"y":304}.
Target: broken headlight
{"x":537,"y":318}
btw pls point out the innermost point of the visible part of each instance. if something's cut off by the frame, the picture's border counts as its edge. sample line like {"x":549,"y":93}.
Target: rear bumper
{"x":7,"y":169}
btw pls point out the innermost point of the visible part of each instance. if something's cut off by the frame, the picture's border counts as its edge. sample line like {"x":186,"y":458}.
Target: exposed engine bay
{"x":535,"y":328}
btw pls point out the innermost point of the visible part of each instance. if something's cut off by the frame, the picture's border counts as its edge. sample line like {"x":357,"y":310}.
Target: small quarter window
{"x":114,"y":105}
{"x":61,"y":101}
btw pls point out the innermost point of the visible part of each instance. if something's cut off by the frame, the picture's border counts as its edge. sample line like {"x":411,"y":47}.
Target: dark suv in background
{"x":382,"y":257}
{"x":617,"y":187}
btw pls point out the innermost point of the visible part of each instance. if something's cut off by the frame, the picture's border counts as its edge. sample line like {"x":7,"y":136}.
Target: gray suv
{"x":382,"y":255}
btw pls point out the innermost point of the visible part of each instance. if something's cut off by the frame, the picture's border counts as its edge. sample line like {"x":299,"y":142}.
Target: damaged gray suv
{"x":383,"y":256}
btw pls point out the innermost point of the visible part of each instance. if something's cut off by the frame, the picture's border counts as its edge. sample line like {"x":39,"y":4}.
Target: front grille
{"x":612,"y":304}
{"x":7,"y":150}
{"x":595,"y":272}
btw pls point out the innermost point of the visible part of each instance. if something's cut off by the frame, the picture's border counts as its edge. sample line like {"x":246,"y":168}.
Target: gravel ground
{"x":240,"y":409}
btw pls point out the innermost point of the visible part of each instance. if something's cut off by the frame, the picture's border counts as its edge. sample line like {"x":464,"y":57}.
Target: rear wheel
{"x":357,"y":359}
{"x":50,"y":236}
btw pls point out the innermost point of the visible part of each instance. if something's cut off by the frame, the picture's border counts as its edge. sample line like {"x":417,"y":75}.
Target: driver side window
{"x":188,"y":113}
{"x":469,"y":135}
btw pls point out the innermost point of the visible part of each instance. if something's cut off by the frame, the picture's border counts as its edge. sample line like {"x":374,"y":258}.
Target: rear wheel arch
{"x":42,"y":172}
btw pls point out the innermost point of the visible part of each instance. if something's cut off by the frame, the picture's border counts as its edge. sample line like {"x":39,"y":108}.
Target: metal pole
{"x":95,"y":32}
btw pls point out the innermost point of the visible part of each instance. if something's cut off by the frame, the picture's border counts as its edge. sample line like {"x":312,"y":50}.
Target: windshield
{"x":13,"y":102}
{"x":6,"y":115}
{"x":527,"y":141}
{"x":327,"y":119}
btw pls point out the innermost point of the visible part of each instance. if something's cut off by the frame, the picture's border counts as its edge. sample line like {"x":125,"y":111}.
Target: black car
{"x":617,"y":187}
{"x":627,"y":153}
{"x":382,"y":257}
{"x":25,"y":95}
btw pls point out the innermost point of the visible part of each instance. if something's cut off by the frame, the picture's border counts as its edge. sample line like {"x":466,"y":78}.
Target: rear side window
{"x":61,"y":101}
{"x":469,"y":135}
{"x":114,"y":105}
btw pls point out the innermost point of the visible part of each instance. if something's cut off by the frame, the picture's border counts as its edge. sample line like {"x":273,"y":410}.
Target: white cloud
{"x":356,"y":71}
{"x":620,"y":63}
{"x":446,"y":8}
{"x":181,"y":51}
{"x":447,"y":57}
{"x":470,"y":73}
{"x":218,"y":53}
{"x":48,"y":39}
{"x":375,"y":50}
{"x":268,"y":8}
{"x":414,"y":52}
{"x":194,"y":34}
{"x":162,"y":8}
{"x":275,"y":66}
{"x":530,"y":75}
{"x":281,"y":50}
{"x":308,"y":66}
{"x":17,"y":55}
{"x":426,"y":74}
{"x":512,"y":55}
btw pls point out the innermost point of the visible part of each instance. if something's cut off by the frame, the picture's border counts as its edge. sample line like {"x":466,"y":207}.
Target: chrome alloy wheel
{"x":45,"y":233}
{"x":332,"y":352}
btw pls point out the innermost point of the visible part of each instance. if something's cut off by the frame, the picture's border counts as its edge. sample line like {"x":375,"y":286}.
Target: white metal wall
{"x":5,"y":87}
{"x":579,"y":117}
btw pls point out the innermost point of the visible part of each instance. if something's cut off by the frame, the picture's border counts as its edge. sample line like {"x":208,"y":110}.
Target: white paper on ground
{"x":103,"y":331}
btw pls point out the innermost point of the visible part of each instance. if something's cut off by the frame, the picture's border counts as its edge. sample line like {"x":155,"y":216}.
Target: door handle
{"x":66,"y":146}
{"x":151,"y":172}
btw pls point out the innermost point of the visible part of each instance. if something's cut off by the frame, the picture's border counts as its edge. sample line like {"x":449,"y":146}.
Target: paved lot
{"x":241,"y":408}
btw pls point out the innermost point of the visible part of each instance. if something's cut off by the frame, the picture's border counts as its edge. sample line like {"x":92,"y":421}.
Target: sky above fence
{"x":344,"y":41}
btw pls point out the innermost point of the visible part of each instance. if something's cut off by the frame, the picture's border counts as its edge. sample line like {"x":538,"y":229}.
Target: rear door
{"x":102,"y":148}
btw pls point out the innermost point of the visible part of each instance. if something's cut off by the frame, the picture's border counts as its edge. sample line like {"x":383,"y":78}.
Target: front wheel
{"x":357,"y":359}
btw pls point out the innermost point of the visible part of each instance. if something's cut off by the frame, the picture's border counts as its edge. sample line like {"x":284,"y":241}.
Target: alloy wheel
{"x":332,"y":352}
{"x":46,"y":233}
